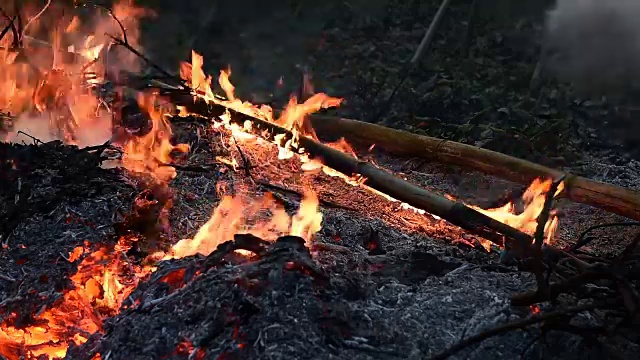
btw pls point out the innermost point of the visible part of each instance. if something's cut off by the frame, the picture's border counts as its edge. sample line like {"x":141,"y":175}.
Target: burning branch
{"x":616,"y":199}
{"x":374,"y":177}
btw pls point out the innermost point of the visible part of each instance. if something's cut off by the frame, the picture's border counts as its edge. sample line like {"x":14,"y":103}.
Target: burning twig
{"x":246,"y":164}
{"x":543,"y":219}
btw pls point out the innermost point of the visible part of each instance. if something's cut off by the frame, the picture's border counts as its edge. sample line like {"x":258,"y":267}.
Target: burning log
{"x":374,"y":177}
{"x":605,"y":196}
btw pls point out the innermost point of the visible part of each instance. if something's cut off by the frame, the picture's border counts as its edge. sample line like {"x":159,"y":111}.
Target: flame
{"x":527,"y":219}
{"x":295,"y":119}
{"x":150,"y":153}
{"x":46,"y":83}
{"x":103,"y":280}
{"x":261,"y":217}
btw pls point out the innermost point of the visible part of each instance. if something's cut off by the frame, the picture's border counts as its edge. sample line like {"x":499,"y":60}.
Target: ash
{"x":53,"y":198}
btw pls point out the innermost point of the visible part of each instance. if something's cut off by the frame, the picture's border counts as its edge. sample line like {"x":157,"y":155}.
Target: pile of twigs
{"x":577,"y":282}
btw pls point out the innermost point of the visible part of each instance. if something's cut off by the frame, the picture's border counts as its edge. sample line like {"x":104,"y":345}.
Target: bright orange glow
{"x":149,"y":153}
{"x":103,"y":280}
{"x":264,"y":218}
{"x":45,"y":84}
{"x":527,"y":219}
{"x":295,"y":119}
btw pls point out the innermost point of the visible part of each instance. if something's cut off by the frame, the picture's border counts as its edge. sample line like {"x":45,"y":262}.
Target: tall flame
{"x":151,"y":153}
{"x":46,"y":82}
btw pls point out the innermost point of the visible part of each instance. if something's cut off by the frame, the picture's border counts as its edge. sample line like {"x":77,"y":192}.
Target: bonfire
{"x":73,"y":84}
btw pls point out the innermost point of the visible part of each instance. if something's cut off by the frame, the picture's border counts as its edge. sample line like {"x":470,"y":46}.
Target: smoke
{"x":93,"y":131}
{"x":595,"y":44}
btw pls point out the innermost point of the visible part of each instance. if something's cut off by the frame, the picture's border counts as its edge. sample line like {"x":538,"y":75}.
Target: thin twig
{"x":35,"y":139}
{"x":246,"y":164}
{"x":515,"y":325}
{"x":471,"y":24}
{"x":141,"y":56}
{"x":105,"y":145}
{"x":543,"y":218}
{"x":24,"y":29}
{"x":628,"y":250}
{"x":192,"y":168}
{"x":408,"y":68}
{"x":294,"y":192}
{"x":112,"y":15}
{"x":7,"y":28}
{"x":538,"y":237}
{"x":16,"y":33}
{"x":583,"y":240}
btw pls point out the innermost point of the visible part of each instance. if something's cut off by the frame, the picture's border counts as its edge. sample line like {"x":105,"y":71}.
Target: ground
{"x":426,"y":289}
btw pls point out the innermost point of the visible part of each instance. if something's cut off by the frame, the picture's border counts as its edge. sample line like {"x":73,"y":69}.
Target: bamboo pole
{"x":380,"y":180}
{"x":616,"y":199}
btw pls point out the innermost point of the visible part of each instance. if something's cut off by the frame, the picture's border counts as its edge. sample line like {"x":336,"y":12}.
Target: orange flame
{"x":294,"y":119}
{"x":45,"y":82}
{"x":527,"y":220}
{"x":263,"y":218}
{"x":103,"y":280}
{"x":151,"y":153}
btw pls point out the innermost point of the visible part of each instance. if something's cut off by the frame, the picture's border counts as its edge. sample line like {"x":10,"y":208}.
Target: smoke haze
{"x":595,"y":44}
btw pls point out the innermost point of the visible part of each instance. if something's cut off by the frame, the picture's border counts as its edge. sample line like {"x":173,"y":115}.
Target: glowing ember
{"x":103,"y":280}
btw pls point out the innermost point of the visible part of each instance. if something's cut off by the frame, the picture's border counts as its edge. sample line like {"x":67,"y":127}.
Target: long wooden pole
{"x":378,"y":179}
{"x":616,"y":199}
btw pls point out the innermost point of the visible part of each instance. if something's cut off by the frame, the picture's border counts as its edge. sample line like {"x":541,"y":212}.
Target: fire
{"x":262,"y":217}
{"x":48,"y":84}
{"x":46,"y":78}
{"x":150,"y":153}
{"x":295,"y":119}
{"x":526,"y":220}
{"x":104,"y":279}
